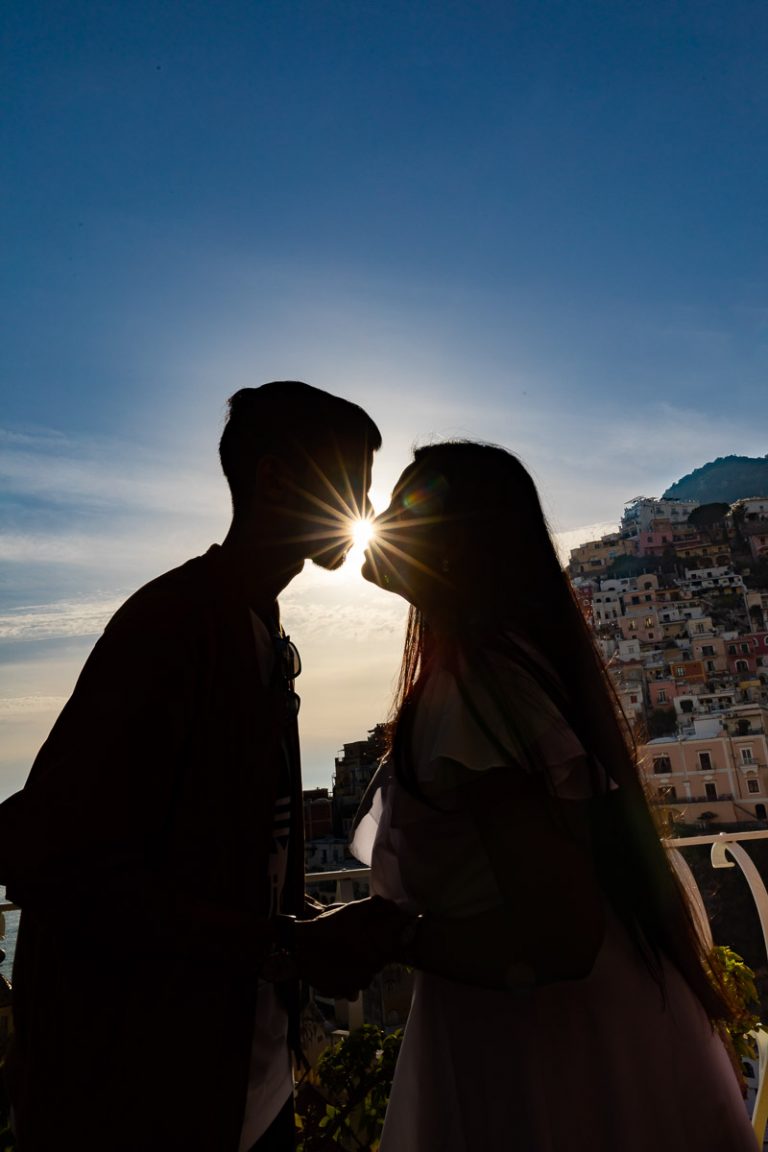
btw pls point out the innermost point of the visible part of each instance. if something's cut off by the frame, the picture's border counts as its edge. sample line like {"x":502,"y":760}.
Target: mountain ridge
{"x":723,"y":480}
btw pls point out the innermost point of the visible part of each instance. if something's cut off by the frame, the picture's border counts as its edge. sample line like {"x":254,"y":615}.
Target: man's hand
{"x":339,"y":952}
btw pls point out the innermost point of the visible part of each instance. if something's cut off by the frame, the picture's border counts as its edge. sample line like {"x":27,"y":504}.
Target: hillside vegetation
{"x":727,"y":479}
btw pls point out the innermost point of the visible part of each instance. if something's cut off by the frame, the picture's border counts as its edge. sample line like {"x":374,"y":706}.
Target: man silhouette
{"x":156,"y":850}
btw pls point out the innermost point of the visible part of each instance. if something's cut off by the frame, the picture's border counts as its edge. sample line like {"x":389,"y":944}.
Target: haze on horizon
{"x":539,"y":224}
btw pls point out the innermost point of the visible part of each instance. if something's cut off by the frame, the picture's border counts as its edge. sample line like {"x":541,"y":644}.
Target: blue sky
{"x":538,"y":223}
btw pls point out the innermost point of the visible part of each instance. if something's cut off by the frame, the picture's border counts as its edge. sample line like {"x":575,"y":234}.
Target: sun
{"x":362,"y":534}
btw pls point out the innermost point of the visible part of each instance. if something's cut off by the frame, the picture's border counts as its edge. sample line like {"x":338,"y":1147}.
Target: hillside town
{"x":677,"y":599}
{"x":678,"y":603}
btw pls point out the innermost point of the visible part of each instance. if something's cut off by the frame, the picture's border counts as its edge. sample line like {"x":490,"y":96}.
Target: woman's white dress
{"x":603,"y":1064}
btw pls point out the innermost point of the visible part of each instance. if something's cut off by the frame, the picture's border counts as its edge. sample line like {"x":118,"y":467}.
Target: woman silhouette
{"x":562,"y":999}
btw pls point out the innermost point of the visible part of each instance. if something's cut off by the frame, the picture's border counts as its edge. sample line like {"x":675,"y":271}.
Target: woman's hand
{"x":339,"y":952}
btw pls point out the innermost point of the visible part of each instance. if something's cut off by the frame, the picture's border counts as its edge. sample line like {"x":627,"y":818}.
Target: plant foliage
{"x":739,"y":980}
{"x":354,"y":1077}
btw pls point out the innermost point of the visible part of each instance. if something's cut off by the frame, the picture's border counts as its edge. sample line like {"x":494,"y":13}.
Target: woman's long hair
{"x":507,"y":586}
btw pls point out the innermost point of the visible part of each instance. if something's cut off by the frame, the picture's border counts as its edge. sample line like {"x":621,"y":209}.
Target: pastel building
{"x":710,"y":649}
{"x":632,"y":701}
{"x":662,"y":692}
{"x":628,"y":649}
{"x":642,"y":625}
{"x":606,"y":606}
{"x":596,"y":556}
{"x":720,"y":577}
{"x":757,"y":537}
{"x":707,"y":772}
{"x":633,"y":589}
{"x":683,"y":668}
{"x":717,"y":554}
{"x":747,"y":654}
{"x":640,"y":512}
{"x":355,"y":765}
{"x":677,"y":604}
{"x":661,"y":535}
{"x":318,"y":813}
{"x":755,"y":508}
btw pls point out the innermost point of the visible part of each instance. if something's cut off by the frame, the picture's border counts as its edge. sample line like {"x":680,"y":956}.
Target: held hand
{"x":339,"y":952}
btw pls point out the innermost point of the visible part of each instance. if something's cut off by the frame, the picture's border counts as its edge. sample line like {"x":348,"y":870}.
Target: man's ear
{"x":275,"y":479}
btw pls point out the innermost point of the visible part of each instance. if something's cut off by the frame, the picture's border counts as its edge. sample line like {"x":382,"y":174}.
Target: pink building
{"x":720,"y":773}
{"x":742,"y":655}
{"x":662,"y":692}
{"x":757,"y":535}
{"x":660,"y":535}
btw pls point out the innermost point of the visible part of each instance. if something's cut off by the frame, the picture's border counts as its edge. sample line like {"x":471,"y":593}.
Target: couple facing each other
{"x":562,"y":998}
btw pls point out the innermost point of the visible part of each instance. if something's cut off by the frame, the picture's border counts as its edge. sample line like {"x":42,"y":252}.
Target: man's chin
{"x":331,"y":559}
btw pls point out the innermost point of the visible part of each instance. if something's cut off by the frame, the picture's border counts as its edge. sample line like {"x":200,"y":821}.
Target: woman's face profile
{"x":407,"y":553}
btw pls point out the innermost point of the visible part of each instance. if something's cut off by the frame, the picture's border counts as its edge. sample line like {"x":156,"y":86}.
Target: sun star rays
{"x":332,"y":508}
{"x":390,"y":544}
{"x":334,"y":520}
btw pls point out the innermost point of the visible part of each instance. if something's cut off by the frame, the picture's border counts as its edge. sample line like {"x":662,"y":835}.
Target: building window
{"x":668,"y":792}
{"x":731,"y":649}
{"x":633,"y":698}
{"x":753,"y":785}
{"x":746,"y":756}
{"x":710,"y":791}
{"x":705,"y":762}
{"x":661,"y":696}
{"x":707,"y":650}
{"x":662,"y":765}
{"x":745,"y":648}
{"x":742,"y":666}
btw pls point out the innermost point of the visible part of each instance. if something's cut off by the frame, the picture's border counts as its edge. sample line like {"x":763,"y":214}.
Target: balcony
{"x":727,"y":850}
{"x":667,"y":803}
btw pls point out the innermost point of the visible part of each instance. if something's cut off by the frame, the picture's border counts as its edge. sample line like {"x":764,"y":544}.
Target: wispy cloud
{"x":20,"y":707}
{"x":359,"y":622}
{"x":65,"y":618}
{"x":97,"y":517}
{"x":107,"y":473}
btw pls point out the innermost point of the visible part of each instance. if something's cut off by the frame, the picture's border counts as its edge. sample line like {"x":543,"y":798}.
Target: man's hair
{"x":290,"y":419}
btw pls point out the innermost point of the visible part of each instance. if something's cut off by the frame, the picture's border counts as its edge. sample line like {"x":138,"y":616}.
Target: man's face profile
{"x":337,"y":497}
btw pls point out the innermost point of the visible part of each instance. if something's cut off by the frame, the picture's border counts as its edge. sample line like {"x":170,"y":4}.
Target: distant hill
{"x":725,"y":480}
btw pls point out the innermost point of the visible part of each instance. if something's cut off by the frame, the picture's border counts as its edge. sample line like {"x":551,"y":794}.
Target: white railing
{"x":723,"y":845}
{"x":726,"y":851}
